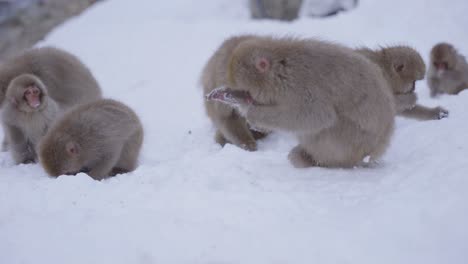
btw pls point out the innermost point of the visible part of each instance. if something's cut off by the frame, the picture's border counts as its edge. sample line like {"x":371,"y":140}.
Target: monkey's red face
{"x":441,"y":67}
{"x":32,"y":96}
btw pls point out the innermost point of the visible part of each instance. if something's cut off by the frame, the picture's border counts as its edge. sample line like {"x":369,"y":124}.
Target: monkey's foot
{"x":249,"y":146}
{"x":230,"y":97}
{"x":299,"y":158}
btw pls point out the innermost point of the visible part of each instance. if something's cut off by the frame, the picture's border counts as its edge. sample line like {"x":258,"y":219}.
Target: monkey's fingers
{"x":443,"y":113}
{"x":227,"y":96}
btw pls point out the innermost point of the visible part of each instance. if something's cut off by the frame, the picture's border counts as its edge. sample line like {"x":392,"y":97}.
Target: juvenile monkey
{"x":231,"y":127}
{"x":26,"y":116}
{"x":333,"y":99}
{"x":69,"y":82}
{"x":448,"y":70}
{"x":402,"y":66}
{"x":101,"y":138}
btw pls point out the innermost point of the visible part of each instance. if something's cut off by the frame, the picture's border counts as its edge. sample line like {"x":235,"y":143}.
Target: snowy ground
{"x":191,"y":201}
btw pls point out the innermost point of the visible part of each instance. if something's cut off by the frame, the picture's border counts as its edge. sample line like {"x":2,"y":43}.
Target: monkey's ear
{"x":262,"y":64}
{"x":399,"y":67}
{"x":72,"y":149}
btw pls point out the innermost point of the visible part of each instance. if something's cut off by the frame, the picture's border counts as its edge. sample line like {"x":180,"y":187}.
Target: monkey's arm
{"x":434,"y":86}
{"x":425,"y":113}
{"x":404,"y":102}
{"x":18,"y":144}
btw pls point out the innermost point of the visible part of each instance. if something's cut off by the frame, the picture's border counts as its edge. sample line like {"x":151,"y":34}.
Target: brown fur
{"x":402,"y":66}
{"x":451,"y":80}
{"x":231,"y":127}
{"x":101,"y":138}
{"x":69,"y":82}
{"x":333,"y":99}
{"x":24,"y":125}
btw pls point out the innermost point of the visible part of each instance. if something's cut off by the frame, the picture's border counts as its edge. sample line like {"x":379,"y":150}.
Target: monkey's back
{"x":68,"y":80}
{"x":337,"y":75}
{"x":98,"y":124}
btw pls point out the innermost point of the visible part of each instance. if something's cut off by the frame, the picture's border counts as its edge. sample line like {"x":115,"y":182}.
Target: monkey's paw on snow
{"x":443,"y":113}
{"x":229,"y":96}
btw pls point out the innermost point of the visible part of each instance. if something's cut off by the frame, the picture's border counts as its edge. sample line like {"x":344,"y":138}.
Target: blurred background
{"x":25,"y":22}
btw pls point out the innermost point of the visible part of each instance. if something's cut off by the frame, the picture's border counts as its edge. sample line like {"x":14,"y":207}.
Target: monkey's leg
{"x":300,"y":158}
{"x":21,"y":150}
{"x":102,"y":167}
{"x":129,"y":155}
{"x":434,"y":86}
{"x":425,"y":113}
{"x":342,"y":146}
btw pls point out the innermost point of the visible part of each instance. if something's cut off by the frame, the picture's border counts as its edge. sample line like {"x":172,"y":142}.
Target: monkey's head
{"x":259,"y":70}
{"x":27,"y":93}
{"x":443,"y":57}
{"x":60,"y":155}
{"x":405,"y":66}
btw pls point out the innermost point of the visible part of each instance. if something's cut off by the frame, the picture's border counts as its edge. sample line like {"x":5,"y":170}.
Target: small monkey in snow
{"x":231,"y":127}
{"x":68,"y":81}
{"x":333,"y":99}
{"x":402,"y":66}
{"x":448,"y":70}
{"x":26,"y":116}
{"x":101,"y":138}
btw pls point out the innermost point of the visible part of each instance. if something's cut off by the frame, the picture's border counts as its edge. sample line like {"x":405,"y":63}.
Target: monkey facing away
{"x":26,"y":116}
{"x":101,"y":138}
{"x":333,"y":99}
{"x":402,"y":66}
{"x":448,"y":70}
{"x":69,"y":82}
{"x":231,"y":127}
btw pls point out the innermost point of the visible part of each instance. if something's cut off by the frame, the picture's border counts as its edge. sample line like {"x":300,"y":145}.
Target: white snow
{"x":191,"y":201}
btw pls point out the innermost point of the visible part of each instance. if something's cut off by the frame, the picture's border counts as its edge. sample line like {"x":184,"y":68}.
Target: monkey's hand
{"x":442,"y":113}
{"x":228,"y":96}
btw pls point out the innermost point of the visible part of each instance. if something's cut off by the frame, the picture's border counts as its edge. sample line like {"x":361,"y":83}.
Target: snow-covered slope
{"x":191,"y":201}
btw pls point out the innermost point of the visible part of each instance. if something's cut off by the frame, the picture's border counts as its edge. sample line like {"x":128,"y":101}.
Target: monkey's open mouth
{"x":229,"y":96}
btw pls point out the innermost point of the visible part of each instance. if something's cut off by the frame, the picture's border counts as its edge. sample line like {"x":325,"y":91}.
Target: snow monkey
{"x":69,"y":82}
{"x":101,"y":138}
{"x":26,"y":116}
{"x":333,"y":99}
{"x":402,"y":66}
{"x":231,"y":127}
{"x":448,"y":70}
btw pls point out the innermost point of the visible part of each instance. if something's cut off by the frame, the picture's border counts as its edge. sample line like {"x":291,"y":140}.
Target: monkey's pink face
{"x":441,"y":67}
{"x":32,"y":95}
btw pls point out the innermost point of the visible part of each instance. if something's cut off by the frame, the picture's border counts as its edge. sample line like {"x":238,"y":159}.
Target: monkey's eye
{"x":399,"y":68}
{"x":28,"y":92}
{"x":35,"y":91}
{"x":441,"y":65}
